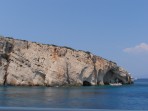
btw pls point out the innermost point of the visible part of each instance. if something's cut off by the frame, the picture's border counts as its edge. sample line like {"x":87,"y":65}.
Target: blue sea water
{"x":129,"y":97}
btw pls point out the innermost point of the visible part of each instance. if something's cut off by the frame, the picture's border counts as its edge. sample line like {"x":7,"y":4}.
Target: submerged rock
{"x":29,"y":63}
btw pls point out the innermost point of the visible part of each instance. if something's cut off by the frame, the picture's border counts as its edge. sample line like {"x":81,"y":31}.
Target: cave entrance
{"x":111,"y":77}
{"x":86,"y":83}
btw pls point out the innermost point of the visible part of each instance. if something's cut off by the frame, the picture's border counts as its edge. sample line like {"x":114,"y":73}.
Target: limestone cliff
{"x":29,"y":63}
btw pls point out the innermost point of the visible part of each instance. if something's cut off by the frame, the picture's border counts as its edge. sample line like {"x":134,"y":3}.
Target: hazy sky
{"x":114,"y":29}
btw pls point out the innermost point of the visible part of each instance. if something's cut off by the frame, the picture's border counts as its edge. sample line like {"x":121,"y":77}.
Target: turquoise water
{"x":129,"y":97}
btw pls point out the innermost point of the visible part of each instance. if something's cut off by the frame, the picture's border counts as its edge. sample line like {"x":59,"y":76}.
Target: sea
{"x":95,"y":98}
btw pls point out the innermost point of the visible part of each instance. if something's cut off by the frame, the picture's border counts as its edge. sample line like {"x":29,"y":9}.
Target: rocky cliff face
{"x":29,"y":63}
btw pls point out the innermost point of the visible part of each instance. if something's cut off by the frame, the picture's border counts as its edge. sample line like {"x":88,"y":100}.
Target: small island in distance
{"x":25,"y":63}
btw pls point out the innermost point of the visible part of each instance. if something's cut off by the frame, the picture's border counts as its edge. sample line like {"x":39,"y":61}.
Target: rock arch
{"x":109,"y":77}
{"x":112,"y":77}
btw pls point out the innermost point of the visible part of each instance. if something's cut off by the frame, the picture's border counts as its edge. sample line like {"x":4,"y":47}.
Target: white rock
{"x":28,"y":63}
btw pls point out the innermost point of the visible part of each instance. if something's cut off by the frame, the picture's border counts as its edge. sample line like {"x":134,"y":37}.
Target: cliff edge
{"x":29,"y":63}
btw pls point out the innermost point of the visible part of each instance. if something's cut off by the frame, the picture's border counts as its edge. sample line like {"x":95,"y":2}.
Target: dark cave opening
{"x":86,"y":83}
{"x":111,"y":77}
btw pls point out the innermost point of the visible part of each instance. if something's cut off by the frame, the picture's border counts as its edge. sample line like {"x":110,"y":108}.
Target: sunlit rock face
{"x":29,"y":63}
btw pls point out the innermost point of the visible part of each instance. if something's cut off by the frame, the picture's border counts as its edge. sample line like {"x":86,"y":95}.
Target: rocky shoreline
{"x":26,"y":63}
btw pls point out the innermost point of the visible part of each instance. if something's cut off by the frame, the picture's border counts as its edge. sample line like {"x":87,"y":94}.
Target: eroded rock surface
{"x":30,"y":63}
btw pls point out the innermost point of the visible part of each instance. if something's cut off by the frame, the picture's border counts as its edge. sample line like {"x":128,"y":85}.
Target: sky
{"x":114,"y":29}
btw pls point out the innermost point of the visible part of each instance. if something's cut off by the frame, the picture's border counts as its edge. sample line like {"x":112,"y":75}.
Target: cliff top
{"x":72,"y":49}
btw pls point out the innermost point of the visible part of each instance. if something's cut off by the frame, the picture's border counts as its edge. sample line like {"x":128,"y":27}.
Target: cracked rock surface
{"x":32,"y":64}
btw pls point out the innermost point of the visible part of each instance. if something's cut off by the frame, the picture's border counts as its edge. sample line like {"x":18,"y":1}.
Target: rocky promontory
{"x":32,"y":64}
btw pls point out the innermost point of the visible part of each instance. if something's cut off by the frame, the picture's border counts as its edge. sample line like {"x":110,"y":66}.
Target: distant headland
{"x":28,"y":63}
